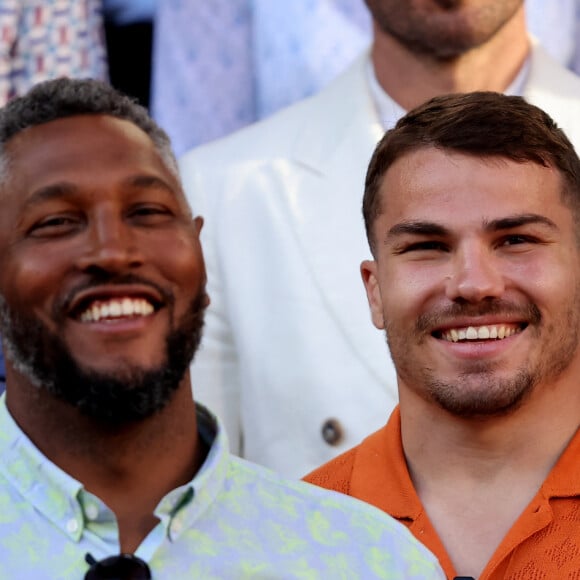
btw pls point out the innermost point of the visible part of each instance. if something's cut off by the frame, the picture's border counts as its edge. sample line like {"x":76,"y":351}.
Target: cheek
{"x":31,"y":279}
{"x":546,"y":281}
{"x":411,"y":288}
{"x":180,"y":260}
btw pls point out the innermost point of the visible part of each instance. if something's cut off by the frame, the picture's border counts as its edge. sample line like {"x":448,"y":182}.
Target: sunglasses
{"x":121,"y":567}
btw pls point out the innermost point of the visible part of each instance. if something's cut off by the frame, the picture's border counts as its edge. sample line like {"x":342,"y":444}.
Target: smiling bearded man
{"x":108,"y":467}
{"x":118,"y":398}
{"x":285,"y":360}
{"x":472,"y":205}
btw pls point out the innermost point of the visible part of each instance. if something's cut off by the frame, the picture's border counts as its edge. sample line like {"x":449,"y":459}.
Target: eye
{"x":54,"y":226}
{"x":517,"y":240}
{"x":150,"y":214}
{"x":424,"y":246}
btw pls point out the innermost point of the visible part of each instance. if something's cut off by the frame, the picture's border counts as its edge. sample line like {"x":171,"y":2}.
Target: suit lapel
{"x":333,"y":151}
{"x":331,"y":154}
{"x":555,"y":90}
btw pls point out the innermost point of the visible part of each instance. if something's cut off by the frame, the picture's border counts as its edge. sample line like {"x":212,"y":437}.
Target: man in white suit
{"x":289,"y":358}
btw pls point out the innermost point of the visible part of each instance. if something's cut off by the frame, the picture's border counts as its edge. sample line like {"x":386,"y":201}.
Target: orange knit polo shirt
{"x":544,"y":543}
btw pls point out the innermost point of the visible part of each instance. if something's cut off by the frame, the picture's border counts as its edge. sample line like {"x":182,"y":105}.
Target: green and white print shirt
{"x":234,"y":520}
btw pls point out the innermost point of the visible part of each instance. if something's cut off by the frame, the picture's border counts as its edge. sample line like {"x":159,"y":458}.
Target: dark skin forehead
{"x":112,"y":141}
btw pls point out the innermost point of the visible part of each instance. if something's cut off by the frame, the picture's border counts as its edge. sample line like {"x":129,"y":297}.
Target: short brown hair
{"x":485,"y":124}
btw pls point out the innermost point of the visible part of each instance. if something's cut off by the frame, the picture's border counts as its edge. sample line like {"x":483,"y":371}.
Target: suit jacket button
{"x":332,"y":431}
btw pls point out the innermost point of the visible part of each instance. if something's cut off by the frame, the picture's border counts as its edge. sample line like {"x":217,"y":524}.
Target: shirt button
{"x":332,"y":431}
{"x":176,"y":527}
{"x":72,"y":526}
{"x":91,"y":511}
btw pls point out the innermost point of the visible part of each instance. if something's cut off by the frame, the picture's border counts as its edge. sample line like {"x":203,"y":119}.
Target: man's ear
{"x":368,"y":270}
{"x":198,"y":224}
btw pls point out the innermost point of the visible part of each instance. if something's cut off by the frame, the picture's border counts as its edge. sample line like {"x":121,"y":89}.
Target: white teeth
{"x":471,"y":333}
{"x":480,"y":333}
{"x":127,"y":307}
{"x":117,"y":308}
{"x":483,"y":333}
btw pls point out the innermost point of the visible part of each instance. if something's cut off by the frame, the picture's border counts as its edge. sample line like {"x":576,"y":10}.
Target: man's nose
{"x":110,"y":245}
{"x":475,"y":275}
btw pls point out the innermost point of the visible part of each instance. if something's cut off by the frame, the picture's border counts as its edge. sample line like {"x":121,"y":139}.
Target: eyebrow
{"x":427,"y":228}
{"x":66,"y":190}
{"x":510,"y":222}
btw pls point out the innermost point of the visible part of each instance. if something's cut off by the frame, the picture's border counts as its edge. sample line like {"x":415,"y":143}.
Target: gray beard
{"x":113,"y":399}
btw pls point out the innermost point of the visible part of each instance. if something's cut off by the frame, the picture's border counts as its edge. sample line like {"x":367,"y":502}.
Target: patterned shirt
{"x":234,"y":520}
{"x":45,"y":39}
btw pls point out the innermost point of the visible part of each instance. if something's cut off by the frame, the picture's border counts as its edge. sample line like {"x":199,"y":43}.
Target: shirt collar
{"x":380,"y":474}
{"x":381,"y":477}
{"x":185,"y":504}
{"x":564,"y":478}
{"x":49,"y":489}
{"x":518,"y":85}
{"x":65,"y":502}
{"x":390,"y":112}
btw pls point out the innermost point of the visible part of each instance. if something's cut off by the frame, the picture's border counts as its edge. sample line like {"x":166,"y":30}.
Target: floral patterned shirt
{"x":233,"y":520}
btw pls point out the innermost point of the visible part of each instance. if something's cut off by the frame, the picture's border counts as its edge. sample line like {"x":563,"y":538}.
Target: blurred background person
{"x":253,"y":57}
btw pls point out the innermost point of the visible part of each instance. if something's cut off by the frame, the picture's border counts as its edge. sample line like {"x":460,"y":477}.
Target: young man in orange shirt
{"x":472,"y":206}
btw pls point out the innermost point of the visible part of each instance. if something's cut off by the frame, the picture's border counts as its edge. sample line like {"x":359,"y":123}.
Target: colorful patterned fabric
{"x":44,"y":39}
{"x":234,"y":520}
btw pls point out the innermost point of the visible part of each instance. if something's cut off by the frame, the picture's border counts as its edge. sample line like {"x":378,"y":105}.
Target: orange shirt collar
{"x":380,"y":476}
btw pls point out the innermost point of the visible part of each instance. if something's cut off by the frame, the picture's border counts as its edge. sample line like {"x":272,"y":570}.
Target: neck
{"x":411,"y":79}
{"x":528,"y":440}
{"x":115,"y":464}
{"x":476,"y":477}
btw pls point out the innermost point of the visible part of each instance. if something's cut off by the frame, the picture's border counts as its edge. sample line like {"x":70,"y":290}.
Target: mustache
{"x":104,"y":278}
{"x":492,"y":306}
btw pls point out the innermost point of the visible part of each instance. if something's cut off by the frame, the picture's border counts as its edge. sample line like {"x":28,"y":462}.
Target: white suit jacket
{"x":290,"y":359}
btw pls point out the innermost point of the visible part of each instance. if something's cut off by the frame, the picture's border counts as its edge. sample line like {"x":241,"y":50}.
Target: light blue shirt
{"x":234,"y":520}
{"x":221,"y":65}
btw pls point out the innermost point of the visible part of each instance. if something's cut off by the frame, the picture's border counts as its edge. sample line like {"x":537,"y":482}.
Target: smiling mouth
{"x":479,"y":333}
{"x":115,"y":309}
